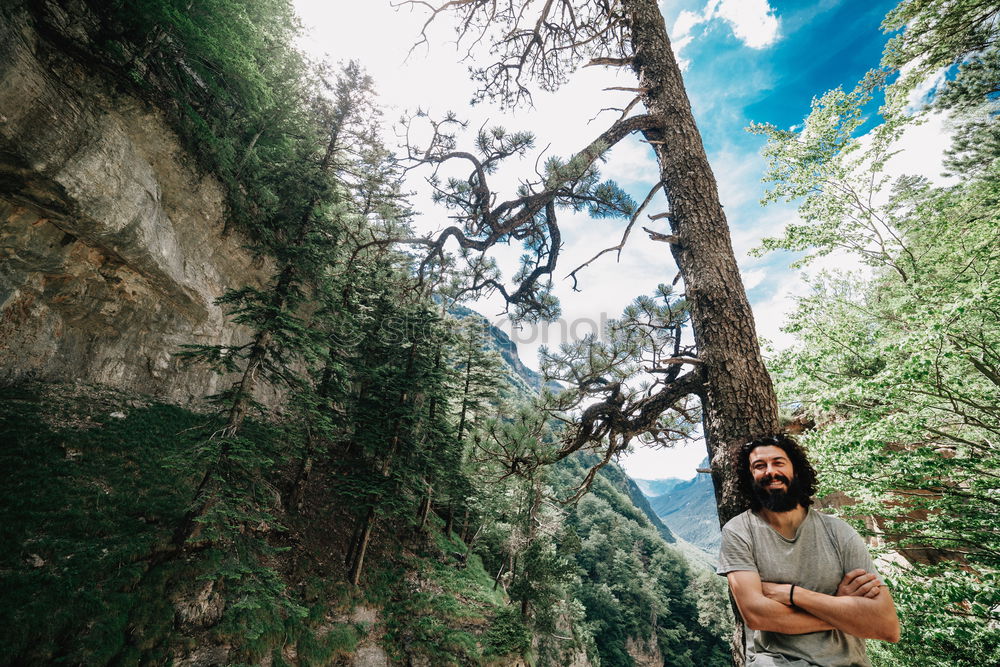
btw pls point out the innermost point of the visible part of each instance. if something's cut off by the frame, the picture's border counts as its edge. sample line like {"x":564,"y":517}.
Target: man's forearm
{"x":771,"y":616}
{"x":871,"y":618}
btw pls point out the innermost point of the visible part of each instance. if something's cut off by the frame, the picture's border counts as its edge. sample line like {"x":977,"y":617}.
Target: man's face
{"x":774,"y":481}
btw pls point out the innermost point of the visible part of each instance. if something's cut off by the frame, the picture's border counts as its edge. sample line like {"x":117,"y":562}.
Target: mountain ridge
{"x":688,"y":510}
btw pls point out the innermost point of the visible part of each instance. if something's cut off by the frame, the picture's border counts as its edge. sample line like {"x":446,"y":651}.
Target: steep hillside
{"x":626,"y":485}
{"x":499,"y":341}
{"x":629,"y":576}
{"x":97,"y":481}
{"x":689,"y":510}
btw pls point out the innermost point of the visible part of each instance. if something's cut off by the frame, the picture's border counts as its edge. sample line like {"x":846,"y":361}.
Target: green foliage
{"x":938,"y":33}
{"x":83,"y":509}
{"x":316,"y":648}
{"x":440,"y":610}
{"x":898,"y":365}
{"x":507,"y":634}
{"x":631,"y":584}
{"x":621,"y":383}
{"x":230,"y":81}
{"x":955,"y":42}
{"x":90,"y":500}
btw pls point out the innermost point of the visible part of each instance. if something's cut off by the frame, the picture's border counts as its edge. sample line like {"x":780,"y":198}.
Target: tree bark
{"x":449,"y":523}
{"x":465,"y":524}
{"x":425,"y":505}
{"x":738,"y":402}
{"x":364,"y":537}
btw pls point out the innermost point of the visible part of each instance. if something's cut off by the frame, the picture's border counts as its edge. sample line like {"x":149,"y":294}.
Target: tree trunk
{"x":352,"y":546}
{"x":496,"y":579}
{"x":425,"y":505}
{"x":465,"y":525}
{"x":298,"y":494}
{"x":354,"y":576}
{"x":739,"y":401}
{"x":449,"y":523}
{"x":465,"y":396}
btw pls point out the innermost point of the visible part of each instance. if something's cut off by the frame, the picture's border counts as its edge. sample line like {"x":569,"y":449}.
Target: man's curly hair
{"x":805,"y":476}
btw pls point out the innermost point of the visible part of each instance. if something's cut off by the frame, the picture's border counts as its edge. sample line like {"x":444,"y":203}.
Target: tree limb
{"x":621,"y":244}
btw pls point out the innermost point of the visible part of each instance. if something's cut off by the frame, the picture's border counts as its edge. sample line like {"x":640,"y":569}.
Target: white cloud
{"x":630,"y":161}
{"x":921,"y":94}
{"x":771,"y":315}
{"x":753,"y":22}
{"x":921,"y":150}
{"x":685,"y":22}
{"x":753,"y":277}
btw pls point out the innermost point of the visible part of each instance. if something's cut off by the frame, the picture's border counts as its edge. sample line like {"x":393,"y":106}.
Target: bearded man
{"x":803,"y":581}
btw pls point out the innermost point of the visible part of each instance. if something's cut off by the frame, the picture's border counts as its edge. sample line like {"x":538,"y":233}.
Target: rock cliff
{"x":111,"y":245}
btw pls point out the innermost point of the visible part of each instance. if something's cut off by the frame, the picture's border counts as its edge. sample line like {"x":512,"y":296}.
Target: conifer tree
{"x":543,"y":43}
{"x":302,"y":239}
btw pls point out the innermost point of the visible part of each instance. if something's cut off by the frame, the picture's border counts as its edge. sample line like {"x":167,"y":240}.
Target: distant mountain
{"x":657,"y":487}
{"x":523,"y":377}
{"x":640,"y":501}
{"x":688,"y":510}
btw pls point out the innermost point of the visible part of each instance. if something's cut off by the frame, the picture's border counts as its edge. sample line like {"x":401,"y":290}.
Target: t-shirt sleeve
{"x":736,"y":553}
{"x":854,"y":551}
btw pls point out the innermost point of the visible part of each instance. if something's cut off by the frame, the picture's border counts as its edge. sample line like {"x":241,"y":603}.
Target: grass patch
{"x":319,"y":647}
{"x":438,"y":607}
{"x":81,"y":510}
{"x":95,"y":483}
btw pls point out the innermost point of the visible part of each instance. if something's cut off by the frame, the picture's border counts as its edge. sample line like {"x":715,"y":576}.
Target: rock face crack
{"x":111,"y":254}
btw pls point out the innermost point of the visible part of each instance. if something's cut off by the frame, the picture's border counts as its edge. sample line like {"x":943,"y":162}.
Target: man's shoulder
{"x":833,"y":523}
{"x":738,"y":523}
{"x":831,"y":520}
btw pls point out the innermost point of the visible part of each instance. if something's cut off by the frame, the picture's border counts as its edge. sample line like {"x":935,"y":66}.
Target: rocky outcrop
{"x":644,"y":653}
{"x":111,"y":246}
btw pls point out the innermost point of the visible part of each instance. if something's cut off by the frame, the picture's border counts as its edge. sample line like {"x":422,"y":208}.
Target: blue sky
{"x":818,"y":46}
{"x":745,"y":60}
{"x":768,"y":74}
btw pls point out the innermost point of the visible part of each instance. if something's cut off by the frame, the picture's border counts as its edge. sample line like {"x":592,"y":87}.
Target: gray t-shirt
{"x":823,"y":551}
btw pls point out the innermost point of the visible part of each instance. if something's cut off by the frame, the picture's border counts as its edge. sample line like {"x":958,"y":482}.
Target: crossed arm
{"x":861,"y":607}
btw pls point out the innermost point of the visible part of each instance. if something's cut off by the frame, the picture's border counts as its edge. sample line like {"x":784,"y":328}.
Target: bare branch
{"x":657,"y":236}
{"x":610,"y":62}
{"x":608,"y":419}
{"x":621,"y":244}
{"x":672,"y":361}
{"x":516,"y":218}
{"x":639,"y":91}
{"x":609,"y":416}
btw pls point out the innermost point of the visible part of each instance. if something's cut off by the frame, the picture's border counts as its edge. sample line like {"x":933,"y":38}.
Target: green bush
{"x":507,"y":634}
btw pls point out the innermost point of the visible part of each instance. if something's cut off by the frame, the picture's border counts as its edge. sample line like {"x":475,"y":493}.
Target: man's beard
{"x":777,"y":500}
